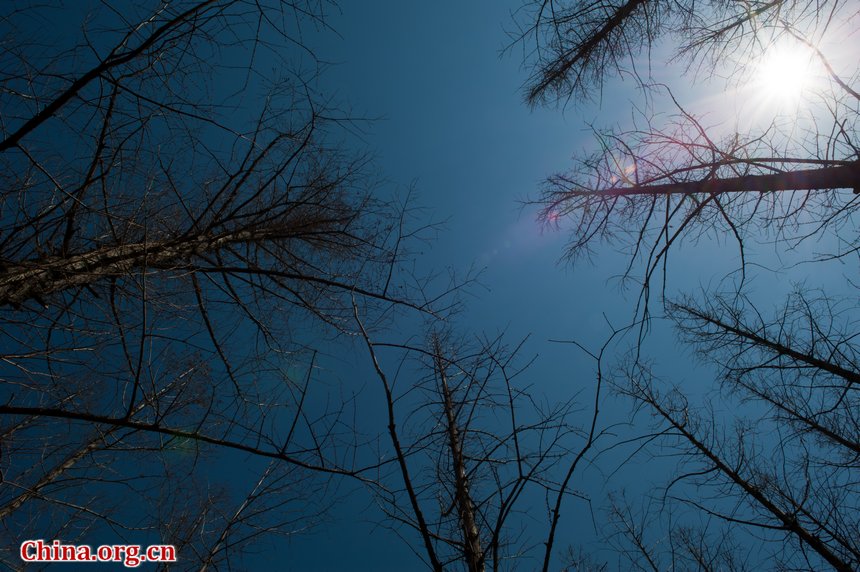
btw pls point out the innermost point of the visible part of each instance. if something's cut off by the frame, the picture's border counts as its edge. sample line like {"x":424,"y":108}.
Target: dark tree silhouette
{"x":766,"y":473}
{"x":485,"y":468}
{"x":650,"y":187}
{"x":768,"y":470}
{"x":176,"y":223}
{"x":791,"y":474}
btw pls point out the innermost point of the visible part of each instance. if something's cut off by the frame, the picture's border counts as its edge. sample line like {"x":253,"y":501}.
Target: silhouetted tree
{"x":485,"y":468}
{"x":177,"y":224}
{"x":650,"y":187}
{"x":768,"y":471}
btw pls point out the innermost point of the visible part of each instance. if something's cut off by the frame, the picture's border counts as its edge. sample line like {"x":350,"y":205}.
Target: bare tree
{"x":650,"y":187}
{"x":485,"y":468}
{"x":177,"y":226}
{"x":767,"y":469}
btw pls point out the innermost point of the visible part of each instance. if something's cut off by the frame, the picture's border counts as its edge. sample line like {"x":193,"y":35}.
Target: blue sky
{"x":454,"y":124}
{"x":447,"y":118}
{"x":452,"y":121}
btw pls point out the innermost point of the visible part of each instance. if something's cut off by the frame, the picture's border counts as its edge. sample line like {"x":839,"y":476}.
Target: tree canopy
{"x":192,"y":232}
{"x":791,"y":178}
{"x":768,"y":465}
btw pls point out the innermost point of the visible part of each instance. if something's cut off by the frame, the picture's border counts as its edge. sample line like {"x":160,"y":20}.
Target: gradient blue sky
{"x":453,"y":123}
{"x":450,"y":121}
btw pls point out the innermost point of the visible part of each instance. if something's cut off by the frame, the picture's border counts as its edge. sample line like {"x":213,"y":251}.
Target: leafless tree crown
{"x":177,"y":224}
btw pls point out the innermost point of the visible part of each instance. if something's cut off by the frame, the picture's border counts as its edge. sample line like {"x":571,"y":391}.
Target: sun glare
{"x":784,"y":73}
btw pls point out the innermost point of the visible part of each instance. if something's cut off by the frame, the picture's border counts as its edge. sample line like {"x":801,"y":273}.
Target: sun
{"x":784,"y":73}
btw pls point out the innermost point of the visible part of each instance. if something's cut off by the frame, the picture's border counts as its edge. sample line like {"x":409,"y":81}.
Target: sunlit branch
{"x":838,"y":177}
